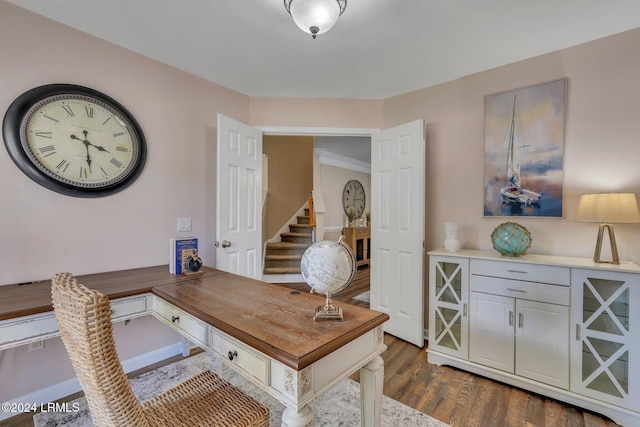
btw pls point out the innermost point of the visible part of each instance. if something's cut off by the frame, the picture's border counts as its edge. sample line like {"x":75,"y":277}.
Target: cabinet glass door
{"x":604,"y":346}
{"x":448,"y":299}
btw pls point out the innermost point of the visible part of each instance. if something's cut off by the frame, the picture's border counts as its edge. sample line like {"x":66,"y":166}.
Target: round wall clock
{"x":353,"y":198}
{"x":74,"y":140}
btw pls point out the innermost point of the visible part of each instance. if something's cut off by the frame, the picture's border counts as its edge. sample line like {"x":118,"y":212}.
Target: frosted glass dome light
{"x":315,"y":16}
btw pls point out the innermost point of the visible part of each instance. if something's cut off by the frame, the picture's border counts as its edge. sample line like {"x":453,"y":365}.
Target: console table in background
{"x":265,"y":332}
{"x":359,"y":239}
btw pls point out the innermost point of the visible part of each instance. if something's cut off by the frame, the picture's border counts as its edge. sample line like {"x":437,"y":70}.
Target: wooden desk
{"x":266,"y":332}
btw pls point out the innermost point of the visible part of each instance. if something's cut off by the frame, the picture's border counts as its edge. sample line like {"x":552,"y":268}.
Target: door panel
{"x":397,"y":229}
{"x":239,"y":198}
{"x":491,"y":335}
{"x":542,"y":342}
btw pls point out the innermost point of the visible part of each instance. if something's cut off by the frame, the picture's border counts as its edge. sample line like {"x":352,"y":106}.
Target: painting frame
{"x":524,"y":151}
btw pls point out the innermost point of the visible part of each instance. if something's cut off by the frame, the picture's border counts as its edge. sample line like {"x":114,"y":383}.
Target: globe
{"x":511,"y":239}
{"x":328,"y":267}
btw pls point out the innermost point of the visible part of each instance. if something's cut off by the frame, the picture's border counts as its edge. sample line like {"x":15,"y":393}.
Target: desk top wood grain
{"x":272,"y":319}
{"x":34,"y":298}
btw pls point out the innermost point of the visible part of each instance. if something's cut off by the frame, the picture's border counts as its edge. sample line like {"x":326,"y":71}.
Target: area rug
{"x":338,"y":406}
{"x":363,"y":297}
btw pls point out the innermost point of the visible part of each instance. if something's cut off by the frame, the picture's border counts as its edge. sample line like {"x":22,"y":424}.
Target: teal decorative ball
{"x":511,"y":239}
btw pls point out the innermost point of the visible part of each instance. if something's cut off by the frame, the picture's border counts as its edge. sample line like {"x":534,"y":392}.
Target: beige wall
{"x":314,"y":112}
{"x":602,"y":143}
{"x":290,"y":177}
{"x":42,"y":232}
{"x":333,"y":180}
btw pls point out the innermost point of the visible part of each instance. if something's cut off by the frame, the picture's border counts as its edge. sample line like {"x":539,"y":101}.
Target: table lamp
{"x":607,"y":209}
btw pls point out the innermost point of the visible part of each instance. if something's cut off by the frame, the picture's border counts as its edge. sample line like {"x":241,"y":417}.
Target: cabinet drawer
{"x":522,"y":271}
{"x":128,"y":307}
{"x":542,"y":292}
{"x":185,"y":323}
{"x":254,"y":363}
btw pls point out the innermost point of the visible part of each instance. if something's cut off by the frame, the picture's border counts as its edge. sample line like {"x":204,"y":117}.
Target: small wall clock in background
{"x":353,"y":198}
{"x":74,"y":140}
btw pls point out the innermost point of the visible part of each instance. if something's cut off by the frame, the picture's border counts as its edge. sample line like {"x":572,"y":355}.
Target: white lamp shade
{"x":609,"y":208}
{"x":322,"y":14}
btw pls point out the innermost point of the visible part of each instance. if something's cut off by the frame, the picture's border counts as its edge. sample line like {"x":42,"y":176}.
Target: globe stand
{"x":328,"y":311}
{"x":328,"y":267}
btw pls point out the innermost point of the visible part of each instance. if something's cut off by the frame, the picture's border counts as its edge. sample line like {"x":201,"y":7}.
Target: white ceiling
{"x":378,"y":48}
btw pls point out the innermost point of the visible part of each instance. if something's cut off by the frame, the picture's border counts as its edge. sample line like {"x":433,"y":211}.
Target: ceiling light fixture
{"x":315,"y":16}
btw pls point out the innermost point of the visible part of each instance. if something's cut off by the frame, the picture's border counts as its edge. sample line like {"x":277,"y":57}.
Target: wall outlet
{"x":184,"y":224}
{"x":38,"y":345}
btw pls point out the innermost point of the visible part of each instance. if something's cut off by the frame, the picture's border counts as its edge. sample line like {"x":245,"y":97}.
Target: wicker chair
{"x":84,"y":320}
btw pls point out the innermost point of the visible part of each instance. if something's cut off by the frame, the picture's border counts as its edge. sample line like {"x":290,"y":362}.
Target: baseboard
{"x":71,"y":386}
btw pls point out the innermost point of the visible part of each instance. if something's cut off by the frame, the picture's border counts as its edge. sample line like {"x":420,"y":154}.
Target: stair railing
{"x":312,"y":217}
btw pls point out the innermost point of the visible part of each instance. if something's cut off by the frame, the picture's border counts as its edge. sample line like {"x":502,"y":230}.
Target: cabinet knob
{"x":232,"y":354}
{"x":175,"y":319}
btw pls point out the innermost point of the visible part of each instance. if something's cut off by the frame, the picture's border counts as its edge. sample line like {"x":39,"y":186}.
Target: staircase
{"x":284,"y":257}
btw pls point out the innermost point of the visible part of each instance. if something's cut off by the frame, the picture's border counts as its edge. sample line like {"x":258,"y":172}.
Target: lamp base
{"x":612,"y":240}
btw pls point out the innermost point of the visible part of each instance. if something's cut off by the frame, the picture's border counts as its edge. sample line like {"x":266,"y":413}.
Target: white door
{"x":239,"y":198}
{"x":491,"y":335}
{"x":397,"y":229}
{"x":542,"y":342}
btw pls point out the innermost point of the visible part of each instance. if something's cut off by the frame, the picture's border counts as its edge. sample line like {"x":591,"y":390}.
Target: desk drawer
{"x":183,"y":322}
{"x":542,"y":292}
{"x":240,"y":355}
{"x":128,"y":307}
{"x":522,"y":271}
{"x":27,"y":329}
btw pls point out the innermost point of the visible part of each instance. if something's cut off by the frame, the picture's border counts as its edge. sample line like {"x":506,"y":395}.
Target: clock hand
{"x":86,"y":143}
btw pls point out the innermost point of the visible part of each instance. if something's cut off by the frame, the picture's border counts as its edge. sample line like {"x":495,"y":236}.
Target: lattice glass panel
{"x":449,"y":282}
{"x":448,"y":328}
{"x":605,"y":351}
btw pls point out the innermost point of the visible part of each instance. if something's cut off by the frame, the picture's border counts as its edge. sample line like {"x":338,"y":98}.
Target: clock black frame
{"x":11,"y":132}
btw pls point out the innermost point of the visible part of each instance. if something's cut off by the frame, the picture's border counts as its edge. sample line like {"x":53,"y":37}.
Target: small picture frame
{"x":360,"y":222}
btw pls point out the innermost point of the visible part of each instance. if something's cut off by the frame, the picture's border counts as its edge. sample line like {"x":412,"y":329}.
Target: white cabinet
{"x":605,"y":346}
{"x":448,"y":299}
{"x":492,"y":340}
{"x":566,"y":328}
{"x":520,"y":326}
{"x":542,"y":342}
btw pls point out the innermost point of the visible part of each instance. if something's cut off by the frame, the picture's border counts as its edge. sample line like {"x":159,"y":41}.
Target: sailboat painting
{"x":524,"y":151}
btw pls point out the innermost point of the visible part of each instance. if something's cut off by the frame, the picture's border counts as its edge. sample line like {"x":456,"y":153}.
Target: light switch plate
{"x":184,"y":224}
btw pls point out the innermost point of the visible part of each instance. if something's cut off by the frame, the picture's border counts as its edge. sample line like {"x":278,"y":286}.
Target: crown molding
{"x":332,"y":159}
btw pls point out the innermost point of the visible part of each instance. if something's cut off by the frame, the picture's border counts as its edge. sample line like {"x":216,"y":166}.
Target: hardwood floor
{"x":459,"y":398}
{"x":453,"y":396}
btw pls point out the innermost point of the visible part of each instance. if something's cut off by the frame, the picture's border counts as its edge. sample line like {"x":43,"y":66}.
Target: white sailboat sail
{"x":513,"y":192}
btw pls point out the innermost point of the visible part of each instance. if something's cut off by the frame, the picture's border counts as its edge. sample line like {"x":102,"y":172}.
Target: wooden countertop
{"x":272,"y":319}
{"x":34,"y":298}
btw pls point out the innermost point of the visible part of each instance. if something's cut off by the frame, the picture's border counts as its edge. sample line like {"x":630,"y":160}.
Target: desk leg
{"x":371,"y":384}
{"x":291,"y":418}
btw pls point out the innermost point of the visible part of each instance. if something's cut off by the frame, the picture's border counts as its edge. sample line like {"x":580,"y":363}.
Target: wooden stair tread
{"x":282,"y":270}
{"x":283,"y":257}
{"x":287,"y":245}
